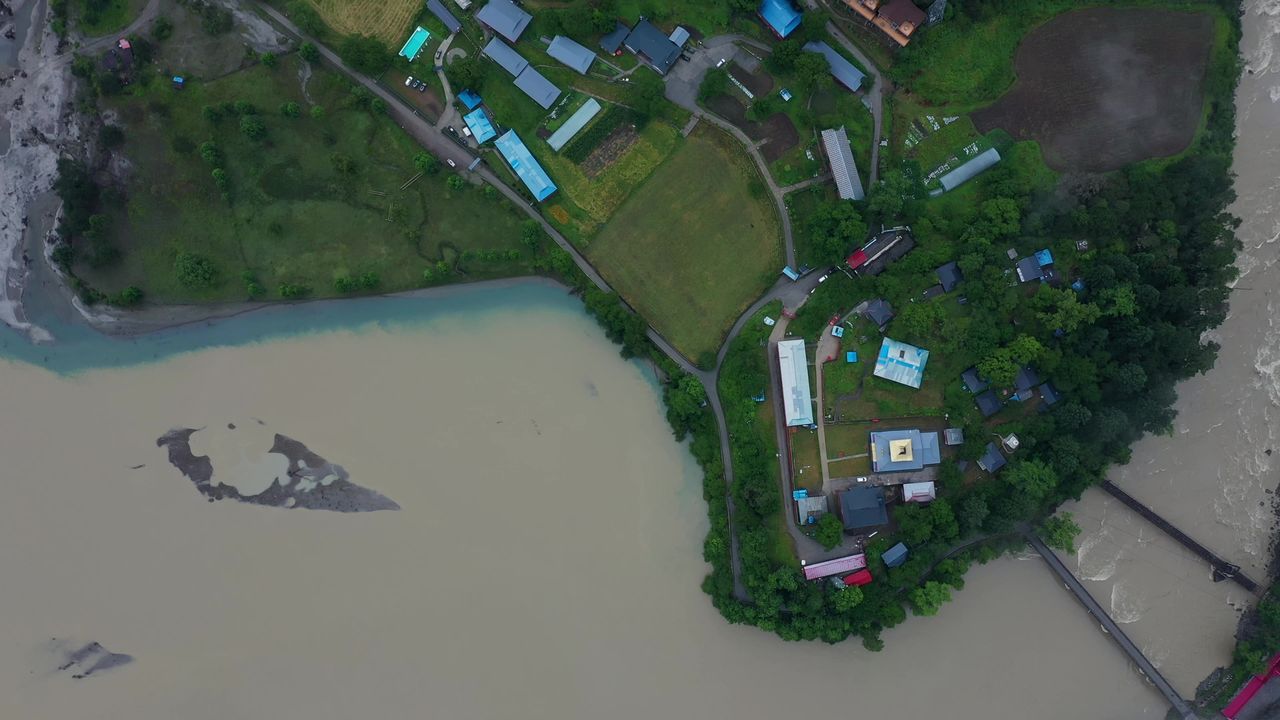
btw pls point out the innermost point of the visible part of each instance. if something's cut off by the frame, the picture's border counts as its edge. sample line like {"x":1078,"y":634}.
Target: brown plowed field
{"x":777,"y":129}
{"x":1103,"y":88}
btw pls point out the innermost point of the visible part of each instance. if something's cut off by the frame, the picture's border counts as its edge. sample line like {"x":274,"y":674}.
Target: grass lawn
{"x":110,"y":17}
{"x":292,"y":214}
{"x":846,"y":440}
{"x":805,"y":460}
{"x":694,"y":245}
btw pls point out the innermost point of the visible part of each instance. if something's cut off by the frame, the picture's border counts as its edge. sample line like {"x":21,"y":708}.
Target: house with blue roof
{"x":504,"y":18}
{"x":505,"y":55}
{"x":524,"y":165}
{"x":903,"y":450}
{"x":470,"y":99}
{"x":481,"y":128}
{"x":991,"y":459}
{"x":539,"y":88}
{"x":571,"y":54}
{"x":901,"y":363}
{"x":845,"y":72}
{"x":780,"y":16}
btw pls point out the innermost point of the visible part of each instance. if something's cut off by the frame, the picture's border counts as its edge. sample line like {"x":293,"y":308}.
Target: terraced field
{"x":387,"y":20}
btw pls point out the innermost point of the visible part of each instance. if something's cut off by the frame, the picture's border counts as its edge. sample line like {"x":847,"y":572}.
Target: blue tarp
{"x":480,"y":126}
{"x":525,"y":166}
{"x":470,"y":99}
{"x":414,"y":44}
{"x":780,"y":15}
{"x":851,"y":357}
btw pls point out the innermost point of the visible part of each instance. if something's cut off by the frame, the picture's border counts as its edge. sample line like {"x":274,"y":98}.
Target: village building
{"x":652,"y":46}
{"x":977,"y":165}
{"x":504,"y":18}
{"x":612,"y":43}
{"x":1049,"y":396}
{"x":517,"y":155}
{"x":897,"y":19}
{"x":903,"y":450}
{"x":842,"y":70}
{"x":506,"y":56}
{"x":973,"y":382}
{"x":919,"y":492}
{"x":953,"y":436}
{"x":481,"y":126}
{"x":1024,"y":383}
{"x":576,"y":122}
{"x":901,"y":363}
{"x":883,"y":250}
{"x":838,"y":566}
{"x":836,"y":144}
{"x":793,"y":367}
{"x":949,"y":276}
{"x":437,"y":8}
{"x":571,"y":54}
{"x":991,"y":459}
{"x":988,"y":403}
{"x":879,"y":312}
{"x":895,"y":556}
{"x":863,"y":507}
{"x":780,"y":16}
{"x":537,"y":87}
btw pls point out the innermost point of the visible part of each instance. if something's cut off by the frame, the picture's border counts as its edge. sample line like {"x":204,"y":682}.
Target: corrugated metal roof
{"x":793,"y":367}
{"x":576,"y":122}
{"x":538,"y":87}
{"x":849,"y":563}
{"x":895,"y":556}
{"x":780,"y":15}
{"x":918,"y":492}
{"x":504,"y":18}
{"x":442,"y":14}
{"x":843,"y":70}
{"x":571,"y":54}
{"x":843,"y":169}
{"x":505,"y":56}
{"x":480,"y":126}
{"x":679,"y":36}
{"x":901,"y":363}
{"x":650,"y":42}
{"x":969,"y":170}
{"x":525,"y":166}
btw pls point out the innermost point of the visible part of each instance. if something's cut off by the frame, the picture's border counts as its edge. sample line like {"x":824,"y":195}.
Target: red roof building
{"x":856,"y":260}
{"x":862,"y":577}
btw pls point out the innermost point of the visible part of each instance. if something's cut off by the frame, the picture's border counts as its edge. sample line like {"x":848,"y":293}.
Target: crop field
{"x":691,"y":256}
{"x":316,"y":199}
{"x":387,"y":20}
{"x":1102,"y":88}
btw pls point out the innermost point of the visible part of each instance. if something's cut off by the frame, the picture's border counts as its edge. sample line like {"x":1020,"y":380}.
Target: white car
{"x":722,"y":62}
{"x":408,"y":82}
{"x":466,"y":131}
{"x":452,"y":164}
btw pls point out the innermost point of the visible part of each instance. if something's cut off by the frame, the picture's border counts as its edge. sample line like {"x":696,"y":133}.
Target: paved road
{"x":450,"y":114}
{"x":1135,"y":654}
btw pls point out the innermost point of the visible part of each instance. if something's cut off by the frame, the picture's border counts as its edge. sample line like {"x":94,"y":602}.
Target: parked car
{"x":823,"y":278}
{"x":722,"y":62}
{"x":408,"y":82}
{"x":466,"y":131}
{"x":452,"y":164}
{"x":422,"y":87}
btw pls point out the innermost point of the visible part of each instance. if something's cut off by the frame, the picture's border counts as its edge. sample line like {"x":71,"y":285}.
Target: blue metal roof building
{"x":505,"y":56}
{"x":525,"y":166}
{"x":979,"y":164}
{"x":538,"y":87}
{"x":571,"y":54}
{"x":470,"y":99}
{"x":992,"y":460}
{"x":442,"y":14}
{"x":901,"y":363}
{"x":895,"y":556}
{"x":576,"y":122}
{"x":504,"y":18}
{"x":780,"y":15}
{"x":900,"y":450}
{"x":612,"y":43}
{"x":844,"y":71}
{"x":480,"y":126}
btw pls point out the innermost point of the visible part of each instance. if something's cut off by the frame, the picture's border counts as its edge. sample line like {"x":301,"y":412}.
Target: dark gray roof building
{"x":991,"y":460}
{"x":571,"y":54}
{"x":973,"y":382}
{"x":1049,"y":394}
{"x":653,"y":46}
{"x":988,"y":404}
{"x":505,"y":56}
{"x":1026,"y":380}
{"x":1029,"y":269}
{"x":538,"y":87}
{"x":442,"y":14}
{"x":863,"y":507}
{"x":879,"y":312}
{"x":842,"y":70}
{"x":934,"y":291}
{"x":949,"y":276}
{"x":612,"y":42}
{"x":504,"y":18}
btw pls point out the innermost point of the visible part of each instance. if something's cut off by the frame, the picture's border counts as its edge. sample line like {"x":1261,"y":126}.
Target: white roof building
{"x":918,"y":492}
{"x":793,"y":367}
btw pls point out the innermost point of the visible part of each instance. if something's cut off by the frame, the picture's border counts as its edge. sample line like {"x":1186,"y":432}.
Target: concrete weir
{"x":1182,"y":707}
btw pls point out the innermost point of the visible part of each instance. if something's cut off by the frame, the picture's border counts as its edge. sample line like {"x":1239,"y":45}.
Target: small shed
{"x":879,"y":311}
{"x":780,"y":16}
{"x":679,"y":36}
{"x":895,"y":556}
{"x":179,"y":82}
{"x":953,"y":436}
{"x":1049,"y":394}
{"x":921,"y":492}
{"x":1025,"y":382}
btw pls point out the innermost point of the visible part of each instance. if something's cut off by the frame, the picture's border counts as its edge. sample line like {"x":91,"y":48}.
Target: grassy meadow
{"x":319,"y":197}
{"x":695,"y":245}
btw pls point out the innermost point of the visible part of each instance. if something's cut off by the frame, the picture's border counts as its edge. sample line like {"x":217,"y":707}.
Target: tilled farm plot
{"x":777,"y":130}
{"x":1102,"y":88}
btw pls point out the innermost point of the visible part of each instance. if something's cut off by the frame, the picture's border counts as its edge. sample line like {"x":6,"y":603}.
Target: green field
{"x":99,"y":17}
{"x":695,"y":245}
{"x":806,"y":462}
{"x":315,"y":200}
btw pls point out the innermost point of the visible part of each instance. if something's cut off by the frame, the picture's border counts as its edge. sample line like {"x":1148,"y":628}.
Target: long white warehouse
{"x":794,"y":369}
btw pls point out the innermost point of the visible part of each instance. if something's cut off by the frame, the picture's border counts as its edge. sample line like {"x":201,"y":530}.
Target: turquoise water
{"x":79,"y":347}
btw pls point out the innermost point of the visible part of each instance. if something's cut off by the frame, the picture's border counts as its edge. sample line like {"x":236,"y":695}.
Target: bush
{"x":305,"y":17}
{"x":365,"y":53}
{"x":195,"y":272}
{"x":291,"y":109}
{"x":253,"y":127}
{"x":129,"y":297}
{"x":830,"y":531}
{"x":162,"y":29}
{"x":210,"y":153}
{"x":293,"y":290}
{"x":269,"y":59}
{"x":426,"y":163}
{"x":308,"y":51}
{"x":455,"y":182}
{"x":317,"y":112}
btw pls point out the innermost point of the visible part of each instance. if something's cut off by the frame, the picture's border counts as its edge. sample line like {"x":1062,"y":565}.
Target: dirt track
{"x":1103,"y":88}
